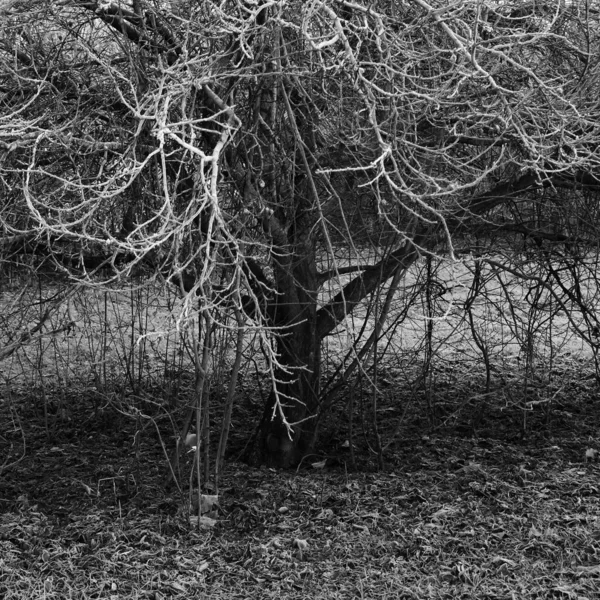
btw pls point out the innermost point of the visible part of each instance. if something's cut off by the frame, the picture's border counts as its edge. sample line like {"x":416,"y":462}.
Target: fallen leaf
{"x":191,"y":441}
{"x":203,"y":522}
{"x":591,"y":570}
{"x":207,"y":502}
{"x":300,"y":544}
{"x":504,"y":560}
{"x":443,"y":512}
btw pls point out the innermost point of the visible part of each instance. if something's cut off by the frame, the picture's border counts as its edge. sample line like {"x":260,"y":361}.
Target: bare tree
{"x":232,"y":148}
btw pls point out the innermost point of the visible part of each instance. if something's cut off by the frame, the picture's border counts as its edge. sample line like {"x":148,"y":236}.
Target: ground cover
{"x":500,"y":511}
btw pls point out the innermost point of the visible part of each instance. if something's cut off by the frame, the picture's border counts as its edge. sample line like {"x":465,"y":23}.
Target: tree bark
{"x":285,"y":432}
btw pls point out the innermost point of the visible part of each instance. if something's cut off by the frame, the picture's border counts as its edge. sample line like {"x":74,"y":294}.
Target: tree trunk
{"x":285,"y":432}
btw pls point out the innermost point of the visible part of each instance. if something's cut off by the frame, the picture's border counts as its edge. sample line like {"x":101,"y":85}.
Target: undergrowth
{"x":500,"y":510}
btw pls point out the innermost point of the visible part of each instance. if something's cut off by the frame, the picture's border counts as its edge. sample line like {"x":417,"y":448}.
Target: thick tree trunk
{"x":285,"y":432}
{"x":288,"y":428}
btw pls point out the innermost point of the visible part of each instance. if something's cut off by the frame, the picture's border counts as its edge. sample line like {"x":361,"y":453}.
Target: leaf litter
{"x":451,"y":517}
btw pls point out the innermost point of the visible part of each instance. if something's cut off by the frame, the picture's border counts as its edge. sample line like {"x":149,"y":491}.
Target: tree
{"x":232,"y":148}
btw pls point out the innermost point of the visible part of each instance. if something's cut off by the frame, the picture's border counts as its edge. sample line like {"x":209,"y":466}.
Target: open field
{"x":136,"y":335}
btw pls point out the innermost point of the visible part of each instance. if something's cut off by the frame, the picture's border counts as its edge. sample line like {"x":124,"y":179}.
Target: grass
{"x":85,"y":514}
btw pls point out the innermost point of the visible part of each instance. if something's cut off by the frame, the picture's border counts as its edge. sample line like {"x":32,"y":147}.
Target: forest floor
{"x":509,"y":508}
